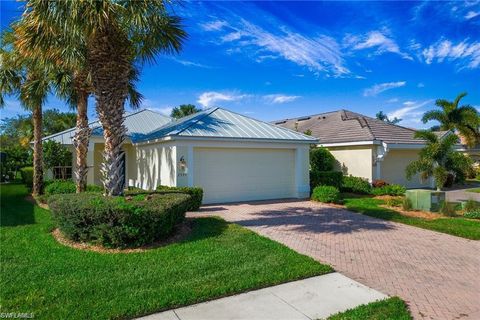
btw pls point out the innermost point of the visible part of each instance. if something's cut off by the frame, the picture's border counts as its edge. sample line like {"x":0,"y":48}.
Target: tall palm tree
{"x":117,"y":35}
{"x":183,"y":110}
{"x":436,"y":159}
{"x":30,"y":80}
{"x":464,"y":119}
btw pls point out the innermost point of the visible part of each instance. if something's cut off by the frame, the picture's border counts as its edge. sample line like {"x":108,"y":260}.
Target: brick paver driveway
{"x":438,"y":275}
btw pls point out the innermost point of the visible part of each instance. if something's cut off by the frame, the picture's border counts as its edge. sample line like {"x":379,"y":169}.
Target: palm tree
{"x":436,"y":159}
{"x":183,"y":110}
{"x":117,"y":35}
{"x":30,"y":79}
{"x":464,"y":119}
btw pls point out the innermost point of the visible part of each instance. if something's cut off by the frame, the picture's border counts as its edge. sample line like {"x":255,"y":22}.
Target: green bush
{"x":118,"y":222}
{"x":326,"y":178}
{"x":474,"y":214}
{"x":471,"y":205}
{"x":67,"y":186}
{"x":321,"y":159}
{"x":389,"y":190}
{"x":196,"y":194}
{"x":326,"y":194}
{"x":27,"y":176}
{"x":407,"y":204}
{"x":394,"y":202}
{"x":447,"y":209}
{"x":356,"y":185}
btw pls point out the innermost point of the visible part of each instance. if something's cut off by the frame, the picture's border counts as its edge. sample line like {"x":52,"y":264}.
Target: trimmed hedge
{"x":67,"y":186}
{"x":326,"y":178}
{"x":475,"y":214}
{"x":118,"y":222}
{"x":321,"y":159}
{"x":27,"y":176}
{"x":356,"y":185}
{"x":326,"y":194}
{"x":389,"y":190}
{"x":196,"y":194}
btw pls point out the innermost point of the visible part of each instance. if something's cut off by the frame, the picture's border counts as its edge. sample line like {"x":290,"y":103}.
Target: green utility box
{"x":426,"y":200}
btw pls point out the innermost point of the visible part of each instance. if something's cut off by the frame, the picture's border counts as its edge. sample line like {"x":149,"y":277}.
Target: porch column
{"x":302,"y":176}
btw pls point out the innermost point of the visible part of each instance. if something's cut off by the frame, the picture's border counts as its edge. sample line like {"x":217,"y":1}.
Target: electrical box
{"x":425,"y":200}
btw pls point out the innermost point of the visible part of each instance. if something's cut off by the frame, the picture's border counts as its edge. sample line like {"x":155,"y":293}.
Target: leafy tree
{"x":463,"y":119}
{"x":184,"y":110}
{"x":116,"y":37}
{"x":437,"y":159}
{"x":56,"y":155}
{"x":382,"y":116}
{"x":321,"y":159}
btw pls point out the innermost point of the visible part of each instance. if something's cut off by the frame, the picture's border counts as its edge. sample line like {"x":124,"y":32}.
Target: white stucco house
{"x":231,"y":156}
{"x":364,"y":146}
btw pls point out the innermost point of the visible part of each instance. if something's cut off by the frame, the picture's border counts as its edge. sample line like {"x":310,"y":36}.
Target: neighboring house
{"x":232,"y":157}
{"x":363,"y":146}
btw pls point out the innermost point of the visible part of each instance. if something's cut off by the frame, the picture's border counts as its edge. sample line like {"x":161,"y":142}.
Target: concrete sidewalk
{"x":312,"y":298}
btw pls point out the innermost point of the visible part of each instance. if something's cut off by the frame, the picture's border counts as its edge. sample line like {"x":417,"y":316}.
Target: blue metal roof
{"x":147,"y":125}
{"x":137,"y":123}
{"x":221,"y":123}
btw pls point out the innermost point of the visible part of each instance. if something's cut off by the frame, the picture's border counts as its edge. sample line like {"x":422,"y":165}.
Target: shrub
{"x":326,"y":194}
{"x":474,"y":214}
{"x":321,"y":159}
{"x":470,"y":205}
{"x":389,"y":190}
{"x":356,"y":185}
{"x":407,"y":204}
{"x":118,"y":221}
{"x":447,"y":209}
{"x":27,"y":176}
{"x":326,"y":178}
{"x":394,"y":202}
{"x":378,"y":183}
{"x":196,"y":194}
{"x":67,"y":186}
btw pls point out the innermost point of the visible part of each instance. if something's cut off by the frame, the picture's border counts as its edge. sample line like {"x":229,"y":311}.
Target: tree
{"x":437,"y":159}
{"x":382,"y":116}
{"x":463,"y":119}
{"x":184,"y":110}
{"x":117,"y":36}
{"x":30,"y":80}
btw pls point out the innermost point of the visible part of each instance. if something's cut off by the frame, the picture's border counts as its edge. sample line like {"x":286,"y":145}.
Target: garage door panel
{"x":228,"y":174}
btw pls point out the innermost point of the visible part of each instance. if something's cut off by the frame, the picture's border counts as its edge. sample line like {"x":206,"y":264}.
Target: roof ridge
{"x":268,"y":123}
{"x":156,"y":112}
{"x":200,"y":118}
{"x":311,"y":115}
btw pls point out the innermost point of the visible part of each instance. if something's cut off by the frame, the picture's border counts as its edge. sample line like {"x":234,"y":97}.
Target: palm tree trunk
{"x":80,"y":141}
{"x":109,"y":59}
{"x":37,"y":151}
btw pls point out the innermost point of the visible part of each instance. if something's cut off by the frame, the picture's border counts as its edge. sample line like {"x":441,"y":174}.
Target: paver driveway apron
{"x":435,"y":273}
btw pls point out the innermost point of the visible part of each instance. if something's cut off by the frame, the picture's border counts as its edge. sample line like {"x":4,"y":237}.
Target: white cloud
{"x":471,"y":15}
{"x":378,"y":88}
{"x":466,"y":54}
{"x":189,"y":63}
{"x":377,"y":40}
{"x":208,"y":99}
{"x":411,"y":113}
{"x":214,"y":25}
{"x":319,"y":53}
{"x":279,"y":98}
{"x":420,"y":85}
{"x":393,"y":100}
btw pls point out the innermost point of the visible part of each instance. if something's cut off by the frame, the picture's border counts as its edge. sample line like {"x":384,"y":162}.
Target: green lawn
{"x":42,"y":276}
{"x":389,"y":309}
{"x":455,"y":226}
{"x":476,"y":190}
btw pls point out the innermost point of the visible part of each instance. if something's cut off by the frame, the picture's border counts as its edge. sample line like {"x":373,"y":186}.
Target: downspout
{"x":381,"y":152}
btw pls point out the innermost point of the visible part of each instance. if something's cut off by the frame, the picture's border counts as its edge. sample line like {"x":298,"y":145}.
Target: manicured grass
{"x":42,"y":276}
{"x":389,"y":309}
{"x":476,"y":190}
{"x":456,"y":226}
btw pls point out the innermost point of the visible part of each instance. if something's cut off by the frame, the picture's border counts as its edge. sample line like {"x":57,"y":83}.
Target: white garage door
{"x":230,"y":174}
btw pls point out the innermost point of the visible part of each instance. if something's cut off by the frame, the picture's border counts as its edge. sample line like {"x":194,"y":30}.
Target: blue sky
{"x":274,"y":60}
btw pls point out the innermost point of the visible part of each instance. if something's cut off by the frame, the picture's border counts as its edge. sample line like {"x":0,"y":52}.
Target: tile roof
{"x":221,"y":123}
{"x":344,"y":126}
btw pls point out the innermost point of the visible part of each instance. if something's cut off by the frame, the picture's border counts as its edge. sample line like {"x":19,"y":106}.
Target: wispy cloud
{"x":381,"y":87}
{"x":471,"y":15}
{"x":188,"y":63}
{"x":466,"y":54}
{"x":213,"y":25}
{"x":210,"y":98}
{"x":376,"y":40}
{"x":317,"y":53}
{"x":393,"y":100}
{"x":411,"y":113}
{"x":280,"y":98}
